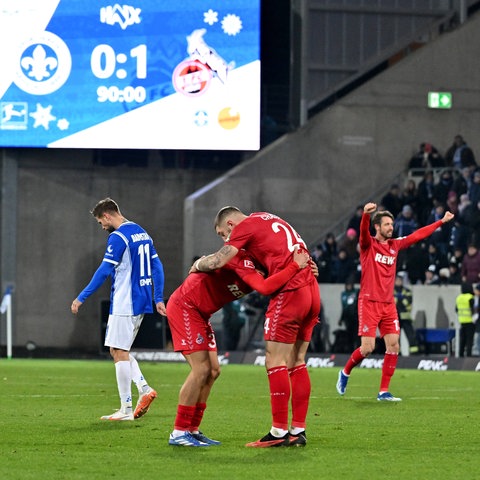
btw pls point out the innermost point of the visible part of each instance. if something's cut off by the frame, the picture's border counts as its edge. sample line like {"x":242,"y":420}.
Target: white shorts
{"x":122,"y":330}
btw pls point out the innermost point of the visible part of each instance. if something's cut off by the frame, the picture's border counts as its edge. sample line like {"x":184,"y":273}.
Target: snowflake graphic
{"x":210,"y":17}
{"x":42,"y":116}
{"x":231,"y":24}
{"x":63,"y":124}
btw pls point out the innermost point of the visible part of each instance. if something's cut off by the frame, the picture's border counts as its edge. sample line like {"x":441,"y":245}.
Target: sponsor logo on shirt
{"x":235,"y":291}
{"x":385,"y":259}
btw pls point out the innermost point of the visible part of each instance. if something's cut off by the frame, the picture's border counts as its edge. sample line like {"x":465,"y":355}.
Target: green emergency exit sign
{"x":439,"y":100}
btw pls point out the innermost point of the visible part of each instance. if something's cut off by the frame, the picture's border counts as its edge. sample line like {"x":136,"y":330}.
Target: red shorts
{"x":292,"y":315}
{"x":191,"y":331}
{"x":373,"y":315}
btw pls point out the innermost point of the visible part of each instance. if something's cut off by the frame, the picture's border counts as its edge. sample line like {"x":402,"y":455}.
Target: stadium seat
{"x":428,"y":337}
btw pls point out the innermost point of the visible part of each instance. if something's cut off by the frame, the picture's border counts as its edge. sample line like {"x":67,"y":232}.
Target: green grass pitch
{"x":50,"y":426}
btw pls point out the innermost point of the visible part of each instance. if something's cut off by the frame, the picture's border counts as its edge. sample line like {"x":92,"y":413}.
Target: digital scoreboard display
{"x":141,"y":74}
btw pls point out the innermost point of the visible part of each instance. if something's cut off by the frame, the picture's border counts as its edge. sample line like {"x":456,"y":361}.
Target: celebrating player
{"x":132,"y":262}
{"x":188,"y":311}
{"x":292,"y":313}
{"x":376,"y":303}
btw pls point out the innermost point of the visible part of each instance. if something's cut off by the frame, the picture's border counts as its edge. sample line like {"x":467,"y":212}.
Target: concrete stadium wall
{"x":352,"y":151}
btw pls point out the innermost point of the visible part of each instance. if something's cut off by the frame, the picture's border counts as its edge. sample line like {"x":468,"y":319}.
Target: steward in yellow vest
{"x":464,"y":309}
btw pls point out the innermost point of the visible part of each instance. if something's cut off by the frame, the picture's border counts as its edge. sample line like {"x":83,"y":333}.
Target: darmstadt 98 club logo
{"x":44,"y":65}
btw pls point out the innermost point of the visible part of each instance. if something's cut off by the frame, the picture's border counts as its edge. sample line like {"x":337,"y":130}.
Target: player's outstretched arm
{"x":425,"y":231}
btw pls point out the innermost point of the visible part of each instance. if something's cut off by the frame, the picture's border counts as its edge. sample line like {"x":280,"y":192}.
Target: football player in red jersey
{"x":189,"y":310}
{"x":376,"y":303}
{"x":291,"y":315}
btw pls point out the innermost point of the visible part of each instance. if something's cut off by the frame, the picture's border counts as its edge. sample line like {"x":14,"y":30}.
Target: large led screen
{"x":141,"y":74}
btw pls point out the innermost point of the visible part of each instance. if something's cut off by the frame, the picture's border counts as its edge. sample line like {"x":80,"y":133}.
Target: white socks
{"x":296,"y":430}
{"x":137,"y":376}
{"x":124,"y":382}
{"x":278,"y":432}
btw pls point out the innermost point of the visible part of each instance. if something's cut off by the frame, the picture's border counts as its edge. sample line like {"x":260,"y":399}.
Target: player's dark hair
{"x":224,"y":213}
{"x":104,"y":206}
{"x":377,"y":217}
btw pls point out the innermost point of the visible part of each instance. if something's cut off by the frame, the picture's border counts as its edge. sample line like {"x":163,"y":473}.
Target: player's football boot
{"x":144,"y":403}
{"x":119,"y":415}
{"x":342,"y":382}
{"x":298,"y":440}
{"x":186,"y":440}
{"x":271,"y":441}
{"x":203,"y":438}
{"x":387,"y":397}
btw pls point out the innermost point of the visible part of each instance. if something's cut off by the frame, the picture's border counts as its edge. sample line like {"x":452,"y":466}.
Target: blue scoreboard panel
{"x":141,"y":74}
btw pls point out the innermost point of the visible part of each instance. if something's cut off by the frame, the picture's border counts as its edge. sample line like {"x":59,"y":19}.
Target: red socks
{"x":198,"y":416}
{"x":388,"y":369}
{"x":279,"y":383}
{"x":301,"y":388}
{"x":353,"y":361}
{"x":184,"y":418}
{"x":189,"y":417}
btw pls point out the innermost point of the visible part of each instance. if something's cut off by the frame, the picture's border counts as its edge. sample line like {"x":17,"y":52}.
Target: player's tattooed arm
{"x":215,"y":260}
{"x":218,"y":259}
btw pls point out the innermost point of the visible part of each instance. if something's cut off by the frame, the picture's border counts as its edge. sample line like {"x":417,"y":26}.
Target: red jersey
{"x":271,"y":242}
{"x":209,"y":292}
{"x":379,"y":260}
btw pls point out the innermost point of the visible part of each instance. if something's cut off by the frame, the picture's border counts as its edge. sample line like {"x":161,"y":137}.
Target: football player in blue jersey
{"x":133,"y":264}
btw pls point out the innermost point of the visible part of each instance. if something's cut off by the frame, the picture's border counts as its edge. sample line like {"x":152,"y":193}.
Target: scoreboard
{"x":141,"y":74}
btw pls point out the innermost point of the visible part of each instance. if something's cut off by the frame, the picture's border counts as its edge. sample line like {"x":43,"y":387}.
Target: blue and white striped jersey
{"x":133,"y":263}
